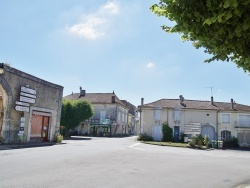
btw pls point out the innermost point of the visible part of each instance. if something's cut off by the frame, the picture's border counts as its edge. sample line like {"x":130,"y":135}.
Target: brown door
{"x":45,"y":128}
{"x":40,"y":127}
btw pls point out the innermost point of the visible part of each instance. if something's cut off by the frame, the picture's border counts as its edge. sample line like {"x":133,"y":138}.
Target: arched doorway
{"x":5,"y":106}
{"x":208,"y":130}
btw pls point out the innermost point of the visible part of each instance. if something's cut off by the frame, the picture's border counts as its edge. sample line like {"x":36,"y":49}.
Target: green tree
{"x":74,"y":112}
{"x":221,"y":27}
{"x":167,"y":133}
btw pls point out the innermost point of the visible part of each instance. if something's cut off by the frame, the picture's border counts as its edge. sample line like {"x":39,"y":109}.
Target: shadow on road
{"x":78,"y":138}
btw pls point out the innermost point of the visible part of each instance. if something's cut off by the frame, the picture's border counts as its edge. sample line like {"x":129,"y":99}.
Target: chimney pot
{"x":82,"y":92}
{"x":232,"y":103}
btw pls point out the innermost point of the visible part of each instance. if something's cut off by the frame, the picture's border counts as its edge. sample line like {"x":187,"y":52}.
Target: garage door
{"x":208,"y":130}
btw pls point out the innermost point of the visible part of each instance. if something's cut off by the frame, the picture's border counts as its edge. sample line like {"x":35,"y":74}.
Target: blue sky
{"x":112,"y":45}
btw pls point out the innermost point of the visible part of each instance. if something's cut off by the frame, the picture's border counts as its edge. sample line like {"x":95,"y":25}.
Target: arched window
{"x":225,"y":135}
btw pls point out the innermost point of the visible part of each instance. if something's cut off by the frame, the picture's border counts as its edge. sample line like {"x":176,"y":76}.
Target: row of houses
{"x":30,"y":110}
{"x":218,"y":120}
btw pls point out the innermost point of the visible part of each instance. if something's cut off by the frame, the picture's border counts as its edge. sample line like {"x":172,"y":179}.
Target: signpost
{"x":27,"y":95}
{"x":28,"y":100}
{"x":22,"y":108}
{"x":28,"y":90}
{"x":22,"y":103}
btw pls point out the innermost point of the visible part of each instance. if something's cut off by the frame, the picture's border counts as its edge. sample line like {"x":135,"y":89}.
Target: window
{"x":225,"y":135}
{"x":244,"y":120}
{"x":158,"y":114}
{"x":123,"y":117}
{"x":102,"y":115}
{"x":118,"y":116}
{"x":176,"y":115}
{"x":225,"y":118}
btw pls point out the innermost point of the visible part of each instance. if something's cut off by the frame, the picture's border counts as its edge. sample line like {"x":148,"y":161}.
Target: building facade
{"x":218,"y":120}
{"x":30,"y":108}
{"x":111,"y":115}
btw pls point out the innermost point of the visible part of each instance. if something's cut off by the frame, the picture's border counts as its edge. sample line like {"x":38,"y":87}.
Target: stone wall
{"x":48,"y":99}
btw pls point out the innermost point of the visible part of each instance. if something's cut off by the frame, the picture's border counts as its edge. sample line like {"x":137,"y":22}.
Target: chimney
{"x":212,"y":100}
{"x":113,"y":99}
{"x":232,"y":103}
{"x":142,"y":101}
{"x":82,"y":93}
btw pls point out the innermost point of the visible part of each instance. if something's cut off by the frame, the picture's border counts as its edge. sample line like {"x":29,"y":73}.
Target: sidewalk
{"x":25,"y":145}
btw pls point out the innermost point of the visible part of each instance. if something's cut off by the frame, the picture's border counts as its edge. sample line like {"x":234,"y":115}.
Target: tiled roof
{"x":197,"y":104}
{"x":131,"y":107}
{"x":95,"y":98}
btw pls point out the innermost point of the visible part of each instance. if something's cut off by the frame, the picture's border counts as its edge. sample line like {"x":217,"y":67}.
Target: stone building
{"x":30,"y":108}
{"x":111,"y":115}
{"x":218,"y":120}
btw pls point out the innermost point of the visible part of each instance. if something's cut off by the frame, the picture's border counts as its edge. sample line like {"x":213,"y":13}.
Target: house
{"x":30,"y":108}
{"x":111,"y":115}
{"x":218,"y":120}
{"x":132,"y":117}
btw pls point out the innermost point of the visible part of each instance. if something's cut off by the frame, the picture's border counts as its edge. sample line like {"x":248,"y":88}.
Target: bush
{"x":1,"y":140}
{"x":191,"y":144}
{"x":145,"y":137}
{"x":206,"y":141}
{"x":59,"y":138}
{"x":233,"y":142}
{"x":167,"y":133}
{"x":197,"y":141}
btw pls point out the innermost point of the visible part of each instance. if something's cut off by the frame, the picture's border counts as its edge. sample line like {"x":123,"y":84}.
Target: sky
{"x":106,"y":45}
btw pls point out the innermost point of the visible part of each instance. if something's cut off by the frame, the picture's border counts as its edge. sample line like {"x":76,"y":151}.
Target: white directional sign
{"x":28,"y":90}
{"x":26,"y":99}
{"x":27,"y":95}
{"x":22,"y":108}
{"x":22,"y":103}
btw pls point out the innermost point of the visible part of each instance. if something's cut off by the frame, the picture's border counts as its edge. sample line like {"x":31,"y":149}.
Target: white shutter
{"x":102,"y":115}
{"x":225,"y":118}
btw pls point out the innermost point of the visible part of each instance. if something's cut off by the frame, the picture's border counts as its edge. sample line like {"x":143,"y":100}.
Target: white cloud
{"x":94,"y":26}
{"x":111,"y":6}
{"x":150,"y":65}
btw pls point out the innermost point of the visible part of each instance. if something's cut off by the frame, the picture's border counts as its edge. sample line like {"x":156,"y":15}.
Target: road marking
{"x":133,"y":146}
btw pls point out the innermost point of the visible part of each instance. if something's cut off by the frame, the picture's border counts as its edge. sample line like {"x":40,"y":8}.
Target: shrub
{"x":197,"y":141}
{"x":191,"y":144}
{"x":167,"y":133}
{"x":1,"y":140}
{"x":206,"y":141}
{"x":145,"y":137}
{"x":233,"y":142}
{"x":59,"y":138}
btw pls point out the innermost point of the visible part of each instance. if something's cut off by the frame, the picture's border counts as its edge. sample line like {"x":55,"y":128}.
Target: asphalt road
{"x":121,"y":162}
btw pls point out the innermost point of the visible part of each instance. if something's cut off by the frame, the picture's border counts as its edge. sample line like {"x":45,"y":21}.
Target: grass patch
{"x":172,"y":144}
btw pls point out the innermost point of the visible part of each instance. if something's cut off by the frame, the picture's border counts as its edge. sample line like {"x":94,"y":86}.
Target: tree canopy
{"x":221,"y":27}
{"x":74,"y":112}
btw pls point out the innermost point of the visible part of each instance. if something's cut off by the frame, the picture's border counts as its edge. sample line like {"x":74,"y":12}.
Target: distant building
{"x":218,"y":120}
{"x":111,"y":115}
{"x":30,"y":108}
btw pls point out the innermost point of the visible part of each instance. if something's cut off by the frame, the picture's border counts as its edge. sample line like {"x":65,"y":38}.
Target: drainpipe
{"x":217,"y":126}
{"x":167,"y":116}
{"x":142,"y":101}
